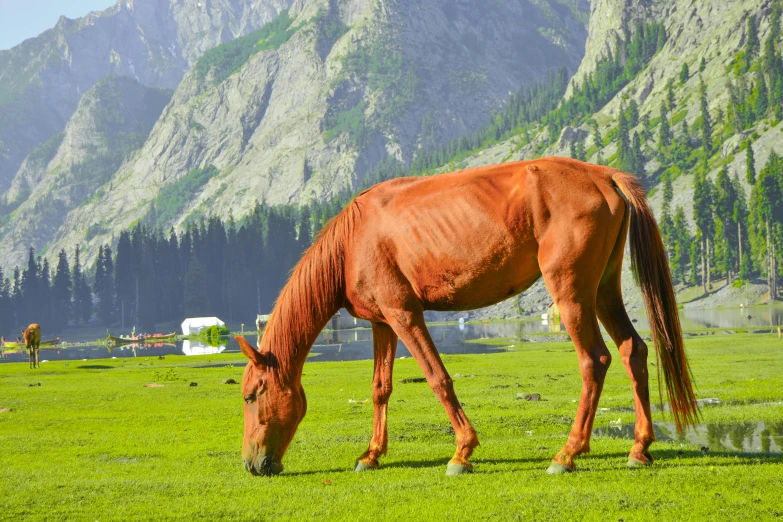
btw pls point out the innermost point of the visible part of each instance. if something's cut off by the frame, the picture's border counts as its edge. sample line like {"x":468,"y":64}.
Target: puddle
{"x":740,"y":437}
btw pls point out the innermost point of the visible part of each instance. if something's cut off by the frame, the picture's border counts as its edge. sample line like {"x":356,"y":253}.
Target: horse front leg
{"x":30,"y":356}
{"x":385,"y":348}
{"x":36,"y":357}
{"x":410,"y":326}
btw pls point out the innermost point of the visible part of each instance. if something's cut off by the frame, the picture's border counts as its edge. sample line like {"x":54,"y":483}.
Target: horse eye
{"x":250,"y":398}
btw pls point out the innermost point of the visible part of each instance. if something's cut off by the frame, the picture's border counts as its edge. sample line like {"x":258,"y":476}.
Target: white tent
{"x":194,"y":325}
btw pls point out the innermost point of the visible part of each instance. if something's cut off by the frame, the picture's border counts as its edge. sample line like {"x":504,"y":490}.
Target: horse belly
{"x":469,"y":282}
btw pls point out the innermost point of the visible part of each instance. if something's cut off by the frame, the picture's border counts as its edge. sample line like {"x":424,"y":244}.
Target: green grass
{"x":92,"y":443}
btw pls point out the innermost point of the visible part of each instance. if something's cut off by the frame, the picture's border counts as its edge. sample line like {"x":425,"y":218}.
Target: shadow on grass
{"x":95,"y":367}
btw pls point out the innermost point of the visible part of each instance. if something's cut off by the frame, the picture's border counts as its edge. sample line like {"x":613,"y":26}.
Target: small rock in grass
{"x":705,"y":449}
{"x":529,"y":397}
{"x":192,"y":384}
{"x":229,"y":381}
{"x":160,"y":357}
{"x":153,"y":385}
{"x":33,"y":384}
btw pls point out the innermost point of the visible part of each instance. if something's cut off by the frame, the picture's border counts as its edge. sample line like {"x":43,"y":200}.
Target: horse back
{"x":32,"y":335}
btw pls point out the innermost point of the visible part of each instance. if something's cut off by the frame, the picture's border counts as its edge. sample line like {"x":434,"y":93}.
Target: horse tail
{"x":650,"y":266}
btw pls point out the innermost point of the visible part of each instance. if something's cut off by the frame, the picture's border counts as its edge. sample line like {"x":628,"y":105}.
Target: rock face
{"x":324,"y":97}
{"x":111,"y":121}
{"x":686,"y":25}
{"x":153,"y":41}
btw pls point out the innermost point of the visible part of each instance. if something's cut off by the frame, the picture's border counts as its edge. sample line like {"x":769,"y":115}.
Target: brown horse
{"x":461,"y":241}
{"x":32,"y":338}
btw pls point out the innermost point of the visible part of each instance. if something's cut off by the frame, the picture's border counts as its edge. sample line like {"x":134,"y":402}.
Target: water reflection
{"x":200,"y":348}
{"x":744,"y":437}
{"x":735,"y":317}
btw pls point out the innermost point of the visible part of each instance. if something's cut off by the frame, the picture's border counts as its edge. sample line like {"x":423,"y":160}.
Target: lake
{"x":352,"y":343}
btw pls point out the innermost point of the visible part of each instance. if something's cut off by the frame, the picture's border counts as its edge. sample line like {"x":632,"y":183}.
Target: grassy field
{"x":93,"y":443}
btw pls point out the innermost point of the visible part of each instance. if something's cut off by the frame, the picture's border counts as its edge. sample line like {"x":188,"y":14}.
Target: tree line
{"x":213,"y":267}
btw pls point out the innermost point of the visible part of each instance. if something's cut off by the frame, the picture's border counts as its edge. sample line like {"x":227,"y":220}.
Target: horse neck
{"x":290,"y":359}
{"x":313,"y":294}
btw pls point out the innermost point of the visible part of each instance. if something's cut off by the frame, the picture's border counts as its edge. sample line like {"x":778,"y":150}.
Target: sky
{"x":23,"y":19}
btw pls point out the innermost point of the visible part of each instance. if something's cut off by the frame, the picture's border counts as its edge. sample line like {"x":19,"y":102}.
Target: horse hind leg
{"x":578,"y":315}
{"x":612,"y":313}
{"x":385,"y":348}
{"x":572,"y":268}
{"x":36,"y":357}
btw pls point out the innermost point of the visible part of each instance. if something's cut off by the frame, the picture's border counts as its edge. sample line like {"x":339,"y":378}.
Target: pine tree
{"x":637,"y":157}
{"x":706,"y":123}
{"x":633,"y":113}
{"x":646,"y":136}
{"x":665,"y":135}
{"x":726,"y":230}
{"x":82,"y":296}
{"x":670,"y":102}
{"x":682,"y":242}
{"x":62,"y":292}
{"x":123,"y":278}
{"x":104,"y":285}
{"x":752,"y":44}
{"x":703,"y":217}
{"x":6,"y":307}
{"x":750,"y":164}
{"x":31,"y":298}
{"x":684,"y":74}
{"x":597,"y":139}
{"x":45,"y":293}
{"x":702,"y":64}
{"x":760,"y":97}
{"x":624,"y":152}
{"x":196,"y":297}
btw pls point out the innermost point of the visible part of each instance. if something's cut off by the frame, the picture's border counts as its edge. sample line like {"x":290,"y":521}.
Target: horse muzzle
{"x":263,"y":465}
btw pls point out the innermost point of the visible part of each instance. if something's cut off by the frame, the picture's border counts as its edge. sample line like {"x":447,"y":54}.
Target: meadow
{"x":93,"y":443}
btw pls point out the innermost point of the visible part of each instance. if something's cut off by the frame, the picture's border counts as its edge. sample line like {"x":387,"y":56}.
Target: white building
{"x":194,"y":325}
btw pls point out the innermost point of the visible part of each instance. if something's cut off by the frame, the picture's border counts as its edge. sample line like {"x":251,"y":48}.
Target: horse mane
{"x":314,"y":292}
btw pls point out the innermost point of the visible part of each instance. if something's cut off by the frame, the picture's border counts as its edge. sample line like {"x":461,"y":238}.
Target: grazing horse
{"x":461,"y":241}
{"x":32,"y":338}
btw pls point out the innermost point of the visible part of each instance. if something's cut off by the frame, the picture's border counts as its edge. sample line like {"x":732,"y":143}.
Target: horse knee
{"x":443,"y":387}
{"x":381,"y":392}
{"x":636,"y":354}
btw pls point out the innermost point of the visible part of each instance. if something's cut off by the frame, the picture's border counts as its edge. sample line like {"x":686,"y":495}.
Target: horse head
{"x":273,"y":411}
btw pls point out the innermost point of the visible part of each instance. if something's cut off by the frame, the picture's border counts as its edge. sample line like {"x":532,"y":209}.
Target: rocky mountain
{"x":112,"y":120}
{"x":312,"y":102}
{"x":154,"y":41}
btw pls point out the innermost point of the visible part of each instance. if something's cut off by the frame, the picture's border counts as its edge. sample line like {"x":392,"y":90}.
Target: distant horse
{"x":461,"y":241}
{"x":32,"y":338}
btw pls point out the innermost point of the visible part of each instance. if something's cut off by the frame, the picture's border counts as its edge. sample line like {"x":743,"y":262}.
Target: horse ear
{"x":251,"y":353}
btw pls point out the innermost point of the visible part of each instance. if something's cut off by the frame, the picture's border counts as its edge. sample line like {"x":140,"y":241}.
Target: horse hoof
{"x":636,"y":463}
{"x":361,"y":466}
{"x":555,"y":468}
{"x":457,"y":469}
